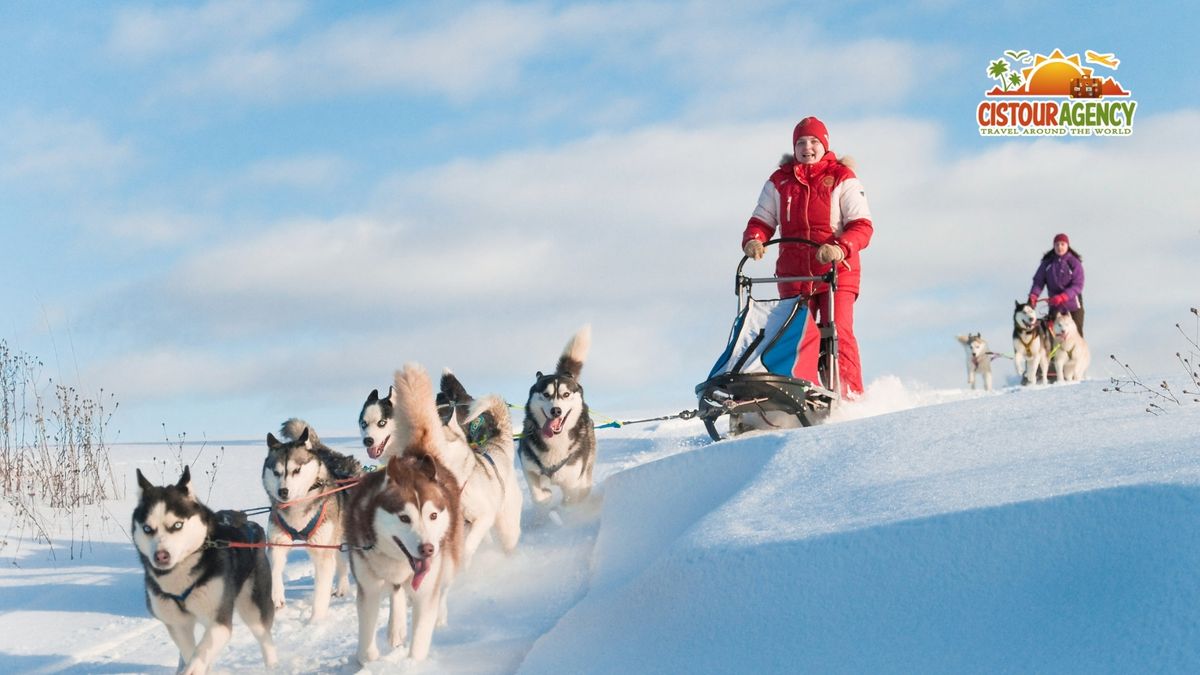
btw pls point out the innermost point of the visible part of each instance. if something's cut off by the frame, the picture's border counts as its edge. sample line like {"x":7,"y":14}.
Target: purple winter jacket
{"x":1060,"y":274}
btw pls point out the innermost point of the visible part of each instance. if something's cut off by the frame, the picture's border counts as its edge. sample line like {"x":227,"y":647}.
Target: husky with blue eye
{"x":193,"y":577}
{"x":558,"y":443}
{"x":296,"y":474}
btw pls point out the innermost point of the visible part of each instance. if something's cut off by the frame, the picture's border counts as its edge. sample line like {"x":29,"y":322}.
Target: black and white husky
{"x":192,"y":577}
{"x":558,"y":443}
{"x":1031,"y":345}
{"x":979,"y":359}
{"x":478,"y":451}
{"x":296,"y":470}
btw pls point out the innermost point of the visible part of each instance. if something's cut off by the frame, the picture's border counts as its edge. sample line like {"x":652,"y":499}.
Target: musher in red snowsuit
{"x":815,"y":196}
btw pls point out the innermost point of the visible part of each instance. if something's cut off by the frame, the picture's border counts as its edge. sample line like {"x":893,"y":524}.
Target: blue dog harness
{"x":303,"y":534}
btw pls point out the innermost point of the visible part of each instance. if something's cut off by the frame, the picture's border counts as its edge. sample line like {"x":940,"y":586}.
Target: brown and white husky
{"x":405,"y":528}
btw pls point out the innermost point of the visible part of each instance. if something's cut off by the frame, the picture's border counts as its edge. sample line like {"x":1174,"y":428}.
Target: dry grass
{"x":53,"y":460}
{"x":1162,"y":394}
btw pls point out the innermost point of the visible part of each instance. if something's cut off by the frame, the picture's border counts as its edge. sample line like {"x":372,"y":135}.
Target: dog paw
{"x":368,"y":655}
{"x":396,"y":640}
{"x":341,"y":590}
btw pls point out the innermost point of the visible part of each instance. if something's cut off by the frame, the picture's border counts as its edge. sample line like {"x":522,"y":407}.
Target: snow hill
{"x":1050,"y":529}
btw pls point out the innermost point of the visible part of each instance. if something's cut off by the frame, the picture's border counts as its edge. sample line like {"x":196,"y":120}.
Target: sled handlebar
{"x":743,"y":282}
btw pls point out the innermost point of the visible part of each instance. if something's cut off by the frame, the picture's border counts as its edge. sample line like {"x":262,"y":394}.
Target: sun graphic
{"x":1052,"y":75}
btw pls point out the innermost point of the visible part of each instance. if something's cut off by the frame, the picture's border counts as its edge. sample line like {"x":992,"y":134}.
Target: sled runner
{"x":753,"y":381}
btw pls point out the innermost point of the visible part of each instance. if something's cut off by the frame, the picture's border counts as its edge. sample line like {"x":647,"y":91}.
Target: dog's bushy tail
{"x":452,"y":389}
{"x":293,"y":427}
{"x":417,"y":424}
{"x":574,"y":354}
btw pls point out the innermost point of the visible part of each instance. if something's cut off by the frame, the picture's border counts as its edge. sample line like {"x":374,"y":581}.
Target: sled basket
{"x":753,"y":376}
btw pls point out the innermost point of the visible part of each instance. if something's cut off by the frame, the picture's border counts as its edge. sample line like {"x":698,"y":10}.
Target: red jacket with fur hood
{"x":823,"y":202}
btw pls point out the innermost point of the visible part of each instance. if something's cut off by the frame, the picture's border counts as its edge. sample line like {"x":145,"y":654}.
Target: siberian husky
{"x":375,"y":422}
{"x":478,"y":450}
{"x":558,"y":444}
{"x":1031,"y":345}
{"x":1071,"y":353}
{"x":979,"y":359}
{"x":296,"y":470}
{"x":491,"y":498}
{"x":405,"y":527}
{"x":190,"y":579}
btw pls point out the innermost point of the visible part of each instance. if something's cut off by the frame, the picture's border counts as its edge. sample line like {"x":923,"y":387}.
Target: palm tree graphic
{"x":1014,"y":79}
{"x":996,"y":71}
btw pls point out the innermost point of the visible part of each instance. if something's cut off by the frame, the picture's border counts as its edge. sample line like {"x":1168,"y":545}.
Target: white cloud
{"x":723,"y":62}
{"x":311,"y":172}
{"x":144,"y":33}
{"x":740,"y":69}
{"x":151,"y":228}
{"x":464,"y":55}
{"x":59,"y":149}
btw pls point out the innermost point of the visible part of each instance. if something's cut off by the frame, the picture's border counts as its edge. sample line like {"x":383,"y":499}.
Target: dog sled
{"x":752,"y":381}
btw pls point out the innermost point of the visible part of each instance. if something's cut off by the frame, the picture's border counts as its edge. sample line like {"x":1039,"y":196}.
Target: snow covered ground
{"x":1051,"y":529}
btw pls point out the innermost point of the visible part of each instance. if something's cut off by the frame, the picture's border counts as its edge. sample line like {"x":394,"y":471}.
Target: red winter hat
{"x":811,"y":126}
{"x":1057,"y":238}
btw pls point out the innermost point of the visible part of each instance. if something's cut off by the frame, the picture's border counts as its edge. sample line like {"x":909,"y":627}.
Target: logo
{"x":1055,"y":95}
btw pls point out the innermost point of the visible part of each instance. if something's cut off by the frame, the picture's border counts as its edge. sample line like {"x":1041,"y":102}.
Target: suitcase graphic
{"x":1085,"y":87}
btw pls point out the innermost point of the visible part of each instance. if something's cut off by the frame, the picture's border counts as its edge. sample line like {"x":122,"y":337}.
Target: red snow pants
{"x":810,"y":344}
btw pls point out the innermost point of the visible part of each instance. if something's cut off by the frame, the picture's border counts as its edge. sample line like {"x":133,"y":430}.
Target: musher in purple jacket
{"x":1061,"y":272}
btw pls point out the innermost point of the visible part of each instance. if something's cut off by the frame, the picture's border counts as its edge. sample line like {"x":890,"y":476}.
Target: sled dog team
{"x":447,"y":479}
{"x":1037,"y":343}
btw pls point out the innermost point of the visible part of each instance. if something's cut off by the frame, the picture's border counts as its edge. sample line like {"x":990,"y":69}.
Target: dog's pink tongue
{"x":552,"y":427}
{"x":376,"y":450}
{"x":420,"y":569}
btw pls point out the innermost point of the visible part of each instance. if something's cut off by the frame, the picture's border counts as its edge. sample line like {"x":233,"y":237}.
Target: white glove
{"x":754,"y":249}
{"x":829,"y":253}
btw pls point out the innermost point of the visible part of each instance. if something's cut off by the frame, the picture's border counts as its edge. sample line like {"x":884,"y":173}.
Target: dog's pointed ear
{"x":539,"y":375}
{"x":373,"y":397}
{"x":304,"y":439}
{"x":143,"y":484}
{"x":185,"y":481}
{"x":1016,"y":304}
{"x":428,"y":467}
{"x":393,"y":469}
{"x":272,"y":442}
{"x":391,"y":397}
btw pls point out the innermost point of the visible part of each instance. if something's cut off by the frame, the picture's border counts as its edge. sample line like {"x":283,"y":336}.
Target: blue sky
{"x":230,"y":213}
